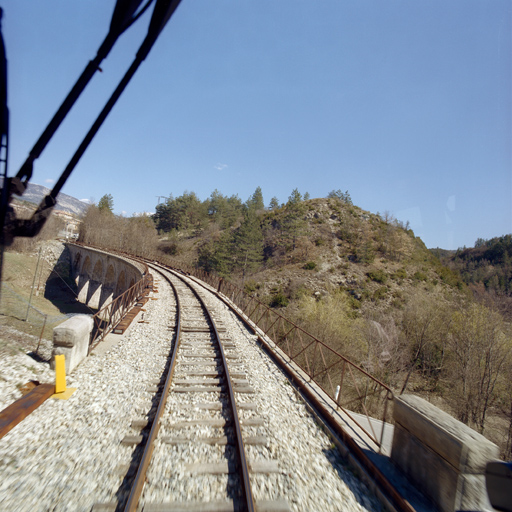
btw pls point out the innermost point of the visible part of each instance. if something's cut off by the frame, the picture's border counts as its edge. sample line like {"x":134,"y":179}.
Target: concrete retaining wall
{"x":443,"y":457}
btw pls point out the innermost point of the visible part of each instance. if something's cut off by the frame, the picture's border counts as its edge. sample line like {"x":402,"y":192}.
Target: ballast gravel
{"x":67,"y":455}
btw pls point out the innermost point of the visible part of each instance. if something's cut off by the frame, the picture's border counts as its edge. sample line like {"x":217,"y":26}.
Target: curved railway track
{"x":124,"y":442}
{"x":209,"y":388}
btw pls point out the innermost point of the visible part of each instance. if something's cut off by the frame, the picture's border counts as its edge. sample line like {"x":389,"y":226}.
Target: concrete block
{"x":419,"y":463}
{"x":473,"y":493}
{"x":443,"y":457}
{"x":460,"y":445}
{"x":71,"y":338}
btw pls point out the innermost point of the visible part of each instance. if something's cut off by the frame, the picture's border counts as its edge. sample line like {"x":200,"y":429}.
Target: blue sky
{"x":405,"y":104}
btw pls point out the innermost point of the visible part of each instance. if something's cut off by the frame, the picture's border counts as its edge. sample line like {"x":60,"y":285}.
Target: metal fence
{"x":15,"y":306}
{"x":109,"y":316}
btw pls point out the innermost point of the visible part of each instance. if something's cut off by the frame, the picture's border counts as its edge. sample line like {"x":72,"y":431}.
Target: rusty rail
{"x":140,"y":478}
{"x":352,"y":388}
{"x":242,"y":463}
{"x":20,"y":409}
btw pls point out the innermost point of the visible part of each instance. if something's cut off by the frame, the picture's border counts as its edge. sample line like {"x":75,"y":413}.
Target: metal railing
{"x":362,"y":397}
{"x":109,"y":316}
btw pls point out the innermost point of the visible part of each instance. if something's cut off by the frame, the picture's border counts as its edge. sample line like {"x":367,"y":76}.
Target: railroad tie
{"x":207,"y":422}
{"x":222,"y":468}
{"x":210,"y":406}
{"x":132,"y":440}
{"x":215,"y":506}
{"x":220,"y":440}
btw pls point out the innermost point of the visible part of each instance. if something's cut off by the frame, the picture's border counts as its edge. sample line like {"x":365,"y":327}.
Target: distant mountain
{"x":65,"y":203}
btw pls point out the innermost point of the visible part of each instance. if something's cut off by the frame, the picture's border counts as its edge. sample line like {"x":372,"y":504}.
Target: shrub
{"x":400,"y":274}
{"x":420,"y":276}
{"x":365,"y":255}
{"x":310,"y":265}
{"x":379,"y":276}
{"x":279,"y":300}
{"x":380,"y":293}
{"x":251,"y":286}
{"x":448,"y":276}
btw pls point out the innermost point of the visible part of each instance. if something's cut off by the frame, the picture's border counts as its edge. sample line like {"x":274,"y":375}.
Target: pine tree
{"x":255,"y":202}
{"x":295,"y":197}
{"x":274,"y":203}
{"x":294,"y":224}
{"x":248,"y":244}
{"x":106,"y":204}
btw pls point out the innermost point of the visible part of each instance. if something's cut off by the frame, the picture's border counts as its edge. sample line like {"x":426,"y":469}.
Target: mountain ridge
{"x":65,"y":203}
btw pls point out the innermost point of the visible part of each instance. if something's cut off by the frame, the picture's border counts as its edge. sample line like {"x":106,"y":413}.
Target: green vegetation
{"x":400,"y":274}
{"x":106,"y":204}
{"x":420,"y":276}
{"x":279,"y":300}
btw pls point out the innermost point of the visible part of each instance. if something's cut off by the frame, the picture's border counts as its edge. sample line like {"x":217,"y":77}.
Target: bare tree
{"x":424,"y":324}
{"x":386,"y":355}
{"x":479,"y":352}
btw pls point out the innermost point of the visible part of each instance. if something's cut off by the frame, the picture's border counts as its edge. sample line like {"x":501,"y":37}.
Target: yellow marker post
{"x":61,"y":391}
{"x":60,"y":374}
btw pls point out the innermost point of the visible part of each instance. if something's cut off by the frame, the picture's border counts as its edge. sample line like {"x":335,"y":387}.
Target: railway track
{"x":201,"y":418}
{"x":93,"y":452}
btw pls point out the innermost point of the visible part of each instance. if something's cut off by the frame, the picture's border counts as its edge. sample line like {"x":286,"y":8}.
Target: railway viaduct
{"x":101,"y":277}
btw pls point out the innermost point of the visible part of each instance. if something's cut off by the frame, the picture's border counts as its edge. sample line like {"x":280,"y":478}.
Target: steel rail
{"x":282,"y":341}
{"x":139,"y":480}
{"x":267,"y":310}
{"x":140,"y":477}
{"x":242,"y":460}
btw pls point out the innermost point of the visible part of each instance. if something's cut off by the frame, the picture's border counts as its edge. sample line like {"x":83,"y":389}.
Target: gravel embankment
{"x":67,"y":455}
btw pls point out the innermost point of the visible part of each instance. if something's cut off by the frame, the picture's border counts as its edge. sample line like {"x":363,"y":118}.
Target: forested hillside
{"x":489,"y":263}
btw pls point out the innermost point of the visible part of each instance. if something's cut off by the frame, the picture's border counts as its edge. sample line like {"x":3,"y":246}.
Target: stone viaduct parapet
{"x":101,"y":277}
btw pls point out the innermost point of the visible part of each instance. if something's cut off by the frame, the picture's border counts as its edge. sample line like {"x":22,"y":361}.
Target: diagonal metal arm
{"x":122,"y":18}
{"x":19,"y":227}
